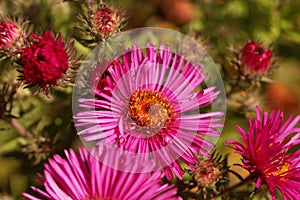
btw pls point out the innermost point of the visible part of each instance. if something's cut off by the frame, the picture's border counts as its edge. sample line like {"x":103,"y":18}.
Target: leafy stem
{"x":18,"y":127}
{"x":241,"y":183}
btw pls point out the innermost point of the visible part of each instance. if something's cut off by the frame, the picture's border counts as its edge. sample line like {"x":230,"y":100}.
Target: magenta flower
{"x":83,"y":176}
{"x":9,"y":34}
{"x":256,"y":58}
{"x":149,"y":104}
{"x":267,"y":152}
{"x":46,"y":61}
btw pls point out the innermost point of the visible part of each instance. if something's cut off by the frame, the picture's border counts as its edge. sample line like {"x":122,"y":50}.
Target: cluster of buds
{"x":44,"y":60}
{"x":100,"y":20}
{"x":47,"y":60}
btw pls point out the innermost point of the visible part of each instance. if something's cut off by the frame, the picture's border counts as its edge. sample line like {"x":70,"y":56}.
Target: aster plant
{"x":148,"y":106}
{"x":268,"y":152}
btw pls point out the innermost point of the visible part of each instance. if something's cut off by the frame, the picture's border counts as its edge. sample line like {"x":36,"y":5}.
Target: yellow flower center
{"x":150,"y":108}
{"x":281,"y":170}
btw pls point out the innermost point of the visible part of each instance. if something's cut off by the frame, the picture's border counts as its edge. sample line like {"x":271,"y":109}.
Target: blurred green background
{"x":220,"y":22}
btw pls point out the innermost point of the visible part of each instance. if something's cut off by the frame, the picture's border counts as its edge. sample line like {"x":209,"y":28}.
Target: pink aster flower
{"x":256,"y":58}
{"x":83,"y":176}
{"x":148,"y":103}
{"x":9,"y":34}
{"x":267,"y":152}
{"x":46,"y":60}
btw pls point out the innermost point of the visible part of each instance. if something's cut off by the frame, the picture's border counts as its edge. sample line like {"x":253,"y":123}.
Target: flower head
{"x":46,"y":60}
{"x":255,"y":58}
{"x":267,"y":152}
{"x":83,"y":176}
{"x":148,"y":104}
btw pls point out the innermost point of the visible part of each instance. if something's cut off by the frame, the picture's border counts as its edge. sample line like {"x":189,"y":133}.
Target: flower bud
{"x":255,"y":58}
{"x":206,"y":173}
{"x":46,"y":60}
{"x":100,"y":20}
{"x":9,"y":34}
{"x":37,"y":149}
{"x":105,"y":21}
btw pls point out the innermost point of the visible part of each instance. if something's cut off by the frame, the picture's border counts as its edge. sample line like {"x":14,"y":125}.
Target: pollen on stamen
{"x":150,"y":108}
{"x":281,"y":170}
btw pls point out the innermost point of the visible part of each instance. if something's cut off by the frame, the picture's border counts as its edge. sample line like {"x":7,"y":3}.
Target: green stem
{"x":234,"y":87}
{"x":243,"y":182}
{"x":18,"y":127}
